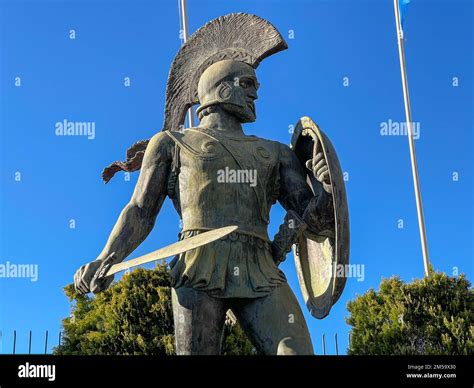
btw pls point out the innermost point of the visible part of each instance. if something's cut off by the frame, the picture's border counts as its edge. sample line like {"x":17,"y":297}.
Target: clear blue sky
{"x":82,"y":80}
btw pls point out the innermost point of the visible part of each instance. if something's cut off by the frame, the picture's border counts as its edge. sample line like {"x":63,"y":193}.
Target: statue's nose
{"x":252,"y":94}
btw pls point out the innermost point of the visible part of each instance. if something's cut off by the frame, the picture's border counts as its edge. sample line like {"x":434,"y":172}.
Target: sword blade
{"x":174,"y":249}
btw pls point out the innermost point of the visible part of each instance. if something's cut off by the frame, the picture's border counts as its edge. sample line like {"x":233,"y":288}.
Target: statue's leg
{"x":275,"y":323}
{"x":198,"y":321}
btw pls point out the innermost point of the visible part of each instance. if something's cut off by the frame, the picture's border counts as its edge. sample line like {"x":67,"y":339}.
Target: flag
{"x":403,"y":5}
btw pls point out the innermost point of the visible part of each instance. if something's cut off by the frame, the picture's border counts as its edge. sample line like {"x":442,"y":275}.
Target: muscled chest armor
{"x":226,"y":180}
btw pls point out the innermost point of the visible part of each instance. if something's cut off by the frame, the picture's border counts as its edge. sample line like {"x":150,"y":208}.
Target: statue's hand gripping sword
{"x":108,"y":268}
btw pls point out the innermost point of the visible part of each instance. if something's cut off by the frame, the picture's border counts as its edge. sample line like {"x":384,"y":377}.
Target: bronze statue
{"x":218,"y":176}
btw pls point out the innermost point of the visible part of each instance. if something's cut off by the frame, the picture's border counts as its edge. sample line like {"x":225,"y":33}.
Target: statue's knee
{"x":291,"y":346}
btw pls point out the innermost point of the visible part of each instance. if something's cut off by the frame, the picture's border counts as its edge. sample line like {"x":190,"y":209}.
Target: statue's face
{"x":231,"y":84}
{"x":242,"y":102}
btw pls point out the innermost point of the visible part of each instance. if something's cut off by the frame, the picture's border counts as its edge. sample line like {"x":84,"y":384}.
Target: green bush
{"x":432,"y":316}
{"x":134,"y":316}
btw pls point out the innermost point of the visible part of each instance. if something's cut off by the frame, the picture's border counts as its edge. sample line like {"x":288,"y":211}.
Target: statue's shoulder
{"x":188,"y":137}
{"x":259,"y":139}
{"x":283,"y":153}
{"x":275,"y":146}
{"x":160,"y":142}
{"x":194,"y":142}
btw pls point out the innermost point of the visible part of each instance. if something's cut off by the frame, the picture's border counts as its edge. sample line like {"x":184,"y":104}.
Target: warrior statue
{"x":200,"y":168}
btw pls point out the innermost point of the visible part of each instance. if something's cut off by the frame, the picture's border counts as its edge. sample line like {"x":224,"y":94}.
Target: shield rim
{"x":320,"y":306}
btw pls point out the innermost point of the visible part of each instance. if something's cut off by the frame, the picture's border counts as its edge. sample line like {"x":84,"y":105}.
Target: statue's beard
{"x":244,"y":113}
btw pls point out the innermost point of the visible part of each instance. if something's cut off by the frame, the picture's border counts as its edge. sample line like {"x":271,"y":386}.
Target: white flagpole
{"x":411,"y":142}
{"x":184,"y":22}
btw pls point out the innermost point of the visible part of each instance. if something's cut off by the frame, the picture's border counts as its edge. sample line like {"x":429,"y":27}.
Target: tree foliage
{"x":433,"y":315}
{"x":134,"y":316}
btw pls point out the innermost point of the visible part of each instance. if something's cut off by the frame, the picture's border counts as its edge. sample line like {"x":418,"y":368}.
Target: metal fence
{"x":57,"y":341}
{"x":45,"y":339}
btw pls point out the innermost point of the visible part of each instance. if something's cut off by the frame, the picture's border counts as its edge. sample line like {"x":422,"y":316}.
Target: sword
{"x":107,"y":268}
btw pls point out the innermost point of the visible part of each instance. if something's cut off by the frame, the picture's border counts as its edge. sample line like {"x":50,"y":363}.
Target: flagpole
{"x":411,"y":142}
{"x":184,"y":22}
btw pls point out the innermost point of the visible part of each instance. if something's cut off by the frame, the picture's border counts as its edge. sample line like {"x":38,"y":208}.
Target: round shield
{"x":322,"y":260}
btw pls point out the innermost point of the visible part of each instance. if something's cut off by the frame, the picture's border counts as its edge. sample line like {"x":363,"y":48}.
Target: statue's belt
{"x":239,"y":235}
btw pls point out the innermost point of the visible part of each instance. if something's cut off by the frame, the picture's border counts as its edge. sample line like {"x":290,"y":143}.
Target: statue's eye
{"x":245,"y":84}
